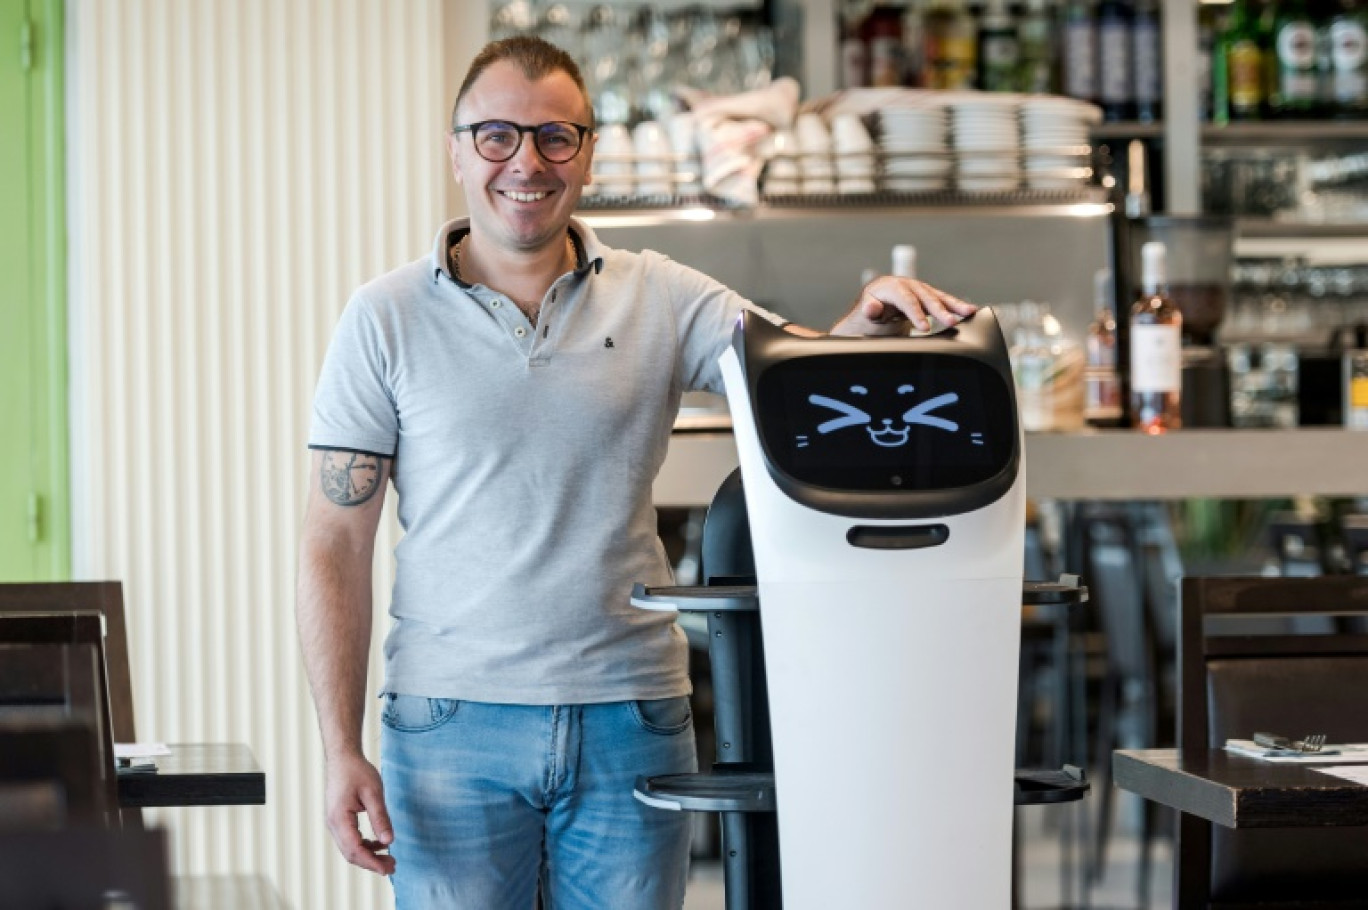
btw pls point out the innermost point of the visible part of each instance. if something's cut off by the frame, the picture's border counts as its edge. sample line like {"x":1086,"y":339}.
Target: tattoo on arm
{"x":349,"y":478}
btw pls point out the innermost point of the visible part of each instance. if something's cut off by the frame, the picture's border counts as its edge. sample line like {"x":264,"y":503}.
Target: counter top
{"x":1111,"y":464}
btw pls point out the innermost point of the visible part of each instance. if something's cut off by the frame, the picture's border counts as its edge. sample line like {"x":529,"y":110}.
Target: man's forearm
{"x":334,"y":616}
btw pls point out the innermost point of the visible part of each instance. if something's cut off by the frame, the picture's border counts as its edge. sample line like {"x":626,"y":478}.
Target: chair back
{"x":105,"y":598}
{"x":1294,"y":682}
{"x":79,"y":692}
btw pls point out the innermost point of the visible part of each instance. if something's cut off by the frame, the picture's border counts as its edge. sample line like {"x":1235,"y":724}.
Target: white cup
{"x":849,"y":134}
{"x":613,"y":155}
{"x":653,"y":157}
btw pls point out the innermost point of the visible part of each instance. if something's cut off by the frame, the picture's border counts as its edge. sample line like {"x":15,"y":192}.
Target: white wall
{"x":236,"y":168}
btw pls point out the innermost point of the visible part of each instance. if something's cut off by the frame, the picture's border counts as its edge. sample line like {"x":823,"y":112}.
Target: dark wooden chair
{"x":105,"y":598}
{"x":1241,"y":674}
{"x":51,"y":771}
{"x":84,"y":867}
{"x":71,"y":686}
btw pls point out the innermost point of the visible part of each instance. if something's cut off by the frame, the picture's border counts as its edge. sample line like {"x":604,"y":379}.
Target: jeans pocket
{"x":414,"y":713}
{"x":666,"y":716}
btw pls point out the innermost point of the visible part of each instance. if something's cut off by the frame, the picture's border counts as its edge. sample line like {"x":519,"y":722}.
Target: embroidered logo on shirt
{"x":608,"y":342}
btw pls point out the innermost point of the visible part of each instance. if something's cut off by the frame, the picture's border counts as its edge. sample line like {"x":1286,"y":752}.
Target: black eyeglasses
{"x":499,"y":140}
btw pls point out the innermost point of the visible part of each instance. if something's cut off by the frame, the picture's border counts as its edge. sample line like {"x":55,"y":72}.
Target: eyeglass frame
{"x":523,"y":129}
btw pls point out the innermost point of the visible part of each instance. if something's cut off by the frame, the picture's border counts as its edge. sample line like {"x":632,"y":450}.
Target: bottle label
{"x":1114,"y":46}
{"x":1349,"y":88}
{"x":950,"y":62}
{"x":1080,"y":60}
{"x":1156,"y":358}
{"x":1245,"y":65}
{"x":1348,"y":45}
{"x":1295,"y":86}
{"x":1147,"y":69}
{"x":885,"y":62}
{"x":1356,"y":390}
{"x":1000,"y":50}
{"x":1296,"y":46}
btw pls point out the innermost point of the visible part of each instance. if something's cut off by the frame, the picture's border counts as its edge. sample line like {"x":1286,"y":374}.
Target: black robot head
{"x":891,"y":428}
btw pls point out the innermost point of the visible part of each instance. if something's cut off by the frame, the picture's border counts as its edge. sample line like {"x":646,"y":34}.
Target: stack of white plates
{"x":854,"y":154}
{"x":913,"y":142}
{"x":1054,"y":133}
{"x":782,"y":174}
{"x":987,"y":142}
{"x":814,"y":154}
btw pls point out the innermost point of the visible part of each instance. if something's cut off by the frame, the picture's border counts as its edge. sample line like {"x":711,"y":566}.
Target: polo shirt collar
{"x":588,"y":250}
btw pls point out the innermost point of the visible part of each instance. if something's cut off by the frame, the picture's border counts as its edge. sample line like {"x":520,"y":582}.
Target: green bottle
{"x":1237,"y":68}
{"x":1295,"y":90}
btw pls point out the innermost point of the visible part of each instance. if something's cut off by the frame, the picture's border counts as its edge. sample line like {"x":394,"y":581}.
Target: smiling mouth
{"x":517,"y":196}
{"x":888,"y":437}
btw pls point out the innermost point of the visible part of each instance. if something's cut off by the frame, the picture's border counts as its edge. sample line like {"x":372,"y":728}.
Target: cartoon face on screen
{"x":885,"y":431}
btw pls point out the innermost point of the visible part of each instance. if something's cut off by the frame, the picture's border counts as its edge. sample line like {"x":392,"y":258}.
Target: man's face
{"x":522,"y":204}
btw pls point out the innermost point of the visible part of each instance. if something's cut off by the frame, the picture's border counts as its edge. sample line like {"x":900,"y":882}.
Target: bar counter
{"x":1109,"y":464}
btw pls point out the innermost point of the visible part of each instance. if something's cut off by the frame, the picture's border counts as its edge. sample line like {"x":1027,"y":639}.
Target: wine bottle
{"x":1156,"y":355}
{"x":1296,"y":89}
{"x":951,"y":46}
{"x":1035,"y":46}
{"x":1115,"y":71}
{"x":1348,"y":75}
{"x":1147,"y":58}
{"x":1078,"y":55}
{"x":1238,"y":69}
{"x":1102,"y":384}
{"x":999,"y":51}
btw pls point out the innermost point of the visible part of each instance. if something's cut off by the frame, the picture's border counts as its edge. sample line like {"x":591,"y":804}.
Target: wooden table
{"x":197,"y":774}
{"x":1240,"y":792}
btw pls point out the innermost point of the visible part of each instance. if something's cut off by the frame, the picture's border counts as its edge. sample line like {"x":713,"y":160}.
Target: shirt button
{"x":520,"y":331}
{"x":496,"y":303}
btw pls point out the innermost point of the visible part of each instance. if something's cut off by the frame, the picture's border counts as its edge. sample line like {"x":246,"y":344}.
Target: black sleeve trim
{"x":345,"y":449}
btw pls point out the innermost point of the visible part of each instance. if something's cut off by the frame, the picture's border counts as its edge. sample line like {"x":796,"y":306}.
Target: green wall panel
{"x":35,"y":535}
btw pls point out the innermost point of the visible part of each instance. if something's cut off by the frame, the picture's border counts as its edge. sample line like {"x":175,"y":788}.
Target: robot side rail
{"x":746,"y":598}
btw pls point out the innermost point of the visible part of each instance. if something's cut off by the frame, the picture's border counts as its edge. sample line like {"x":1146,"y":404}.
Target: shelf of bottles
{"x":1258,"y":60}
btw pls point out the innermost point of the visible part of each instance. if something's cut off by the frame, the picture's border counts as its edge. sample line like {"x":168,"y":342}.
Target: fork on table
{"x":1313,"y":742}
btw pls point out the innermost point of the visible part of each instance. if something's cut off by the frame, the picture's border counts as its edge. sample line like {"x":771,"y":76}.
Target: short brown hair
{"x":535,"y":57}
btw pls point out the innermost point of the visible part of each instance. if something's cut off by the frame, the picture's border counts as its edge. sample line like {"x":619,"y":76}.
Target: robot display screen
{"x":907,"y":422}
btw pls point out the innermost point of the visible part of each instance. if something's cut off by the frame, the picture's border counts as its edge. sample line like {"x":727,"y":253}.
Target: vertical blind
{"x":236,"y":168}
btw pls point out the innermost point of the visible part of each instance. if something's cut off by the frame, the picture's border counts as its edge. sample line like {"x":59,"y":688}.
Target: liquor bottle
{"x":1206,"y":41}
{"x":1237,"y":68}
{"x":914,"y":46}
{"x":1101,"y":382}
{"x":1156,"y":348}
{"x":1115,"y":72}
{"x":854,"y":57}
{"x":1348,"y":70}
{"x":1035,"y":47}
{"x":949,"y":58}
{"x":1146,"y":58}
{"x":1295,"y":89}
{"x":999,"y":51}
{"x":1078,"y":54}
{"x":883,"y":35}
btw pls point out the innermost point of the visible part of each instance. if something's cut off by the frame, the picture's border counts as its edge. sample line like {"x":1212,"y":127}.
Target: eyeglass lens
{"x":497,"y":140}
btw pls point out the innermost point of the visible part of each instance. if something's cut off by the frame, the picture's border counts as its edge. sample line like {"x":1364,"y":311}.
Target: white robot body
{"x":892,"y":669}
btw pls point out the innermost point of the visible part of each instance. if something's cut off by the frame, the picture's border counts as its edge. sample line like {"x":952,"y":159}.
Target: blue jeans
{"x":487,"y":800}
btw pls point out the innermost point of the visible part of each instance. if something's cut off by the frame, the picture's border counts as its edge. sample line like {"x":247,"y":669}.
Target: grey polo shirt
{"x":523,"y":460}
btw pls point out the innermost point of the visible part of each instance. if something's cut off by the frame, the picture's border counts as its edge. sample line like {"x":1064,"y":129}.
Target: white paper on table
{"x":140,"y":750}
{"x":1332,"y":754}
{"x":1356,"y":773}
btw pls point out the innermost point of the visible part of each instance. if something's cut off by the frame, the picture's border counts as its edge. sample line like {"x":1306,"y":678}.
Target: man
{"x":518,"y":387}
